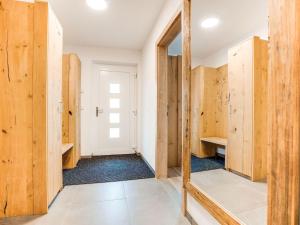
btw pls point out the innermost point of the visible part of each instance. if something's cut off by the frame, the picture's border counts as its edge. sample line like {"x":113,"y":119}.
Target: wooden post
{"x":284,"y":112}
{"x":186,"y":98}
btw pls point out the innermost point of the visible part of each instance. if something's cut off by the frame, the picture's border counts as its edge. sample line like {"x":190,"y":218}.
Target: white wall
{"x":148,"y":95}
{"x":89,"y":56}
{"x":220,"y":57}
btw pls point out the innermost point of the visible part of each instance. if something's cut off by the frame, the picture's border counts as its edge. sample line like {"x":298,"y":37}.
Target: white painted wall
{"x":220,"y":57}
{"x":89,"y":56}
{"x":148,"y":83}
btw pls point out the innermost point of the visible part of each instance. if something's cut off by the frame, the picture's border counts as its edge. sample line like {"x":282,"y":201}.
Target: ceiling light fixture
{"x":210,"y":22}
{"x":97,"y":4}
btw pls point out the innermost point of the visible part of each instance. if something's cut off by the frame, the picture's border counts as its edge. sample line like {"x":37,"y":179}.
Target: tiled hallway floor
{"x":243,"y":199}
{"x":139,"y":202}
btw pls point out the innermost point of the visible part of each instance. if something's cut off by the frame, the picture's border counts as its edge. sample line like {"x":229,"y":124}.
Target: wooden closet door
{"x":240,"y":75}
{"x":16,"y":114}
{"x":74,"y":106}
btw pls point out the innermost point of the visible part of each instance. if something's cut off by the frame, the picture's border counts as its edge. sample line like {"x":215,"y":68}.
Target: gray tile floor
{"x":139,"y":202}
{"x":245,"y":200}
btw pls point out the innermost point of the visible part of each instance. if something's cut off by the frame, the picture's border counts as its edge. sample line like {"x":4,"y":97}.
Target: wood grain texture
{"x":16,"y":77}
{"x":71,"y":112}
{"x":247,"y":138}
{"x":209,"y":96}
{"x":186,"y":99}
{"x":161,"y":162}
{"x":54,"y":105}
{"x":172,"y":88}
{"x":26,"y":64}
{"x":284,"y":116}
{"x":179,"y":97}
{"x":40,"y":106}
{"x":170,"y":33}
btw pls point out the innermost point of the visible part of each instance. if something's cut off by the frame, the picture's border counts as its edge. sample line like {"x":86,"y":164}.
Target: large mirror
{"x":229,"y":106}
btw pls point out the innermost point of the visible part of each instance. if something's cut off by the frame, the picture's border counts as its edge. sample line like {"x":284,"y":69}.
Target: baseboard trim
{"x":148,"y":164}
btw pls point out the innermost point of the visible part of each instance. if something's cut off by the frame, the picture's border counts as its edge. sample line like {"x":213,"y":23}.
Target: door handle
{"x":97,"y":111}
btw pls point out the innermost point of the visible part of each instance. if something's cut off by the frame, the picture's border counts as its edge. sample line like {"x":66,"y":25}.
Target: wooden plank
{"x":39,"y":108}
{"x":54,"y":105}
{"x":66,"y":147}
{"x":78,"y":108}
{"x":215,"y":140}
{"x":71,"y":112}
{"x":172,"y":111}
{"x":169,"y":34}
{"x":215,"y":210}
{"x":260,"y":98}
{"x":16,"y":76}
{"x":221,"y":113}
{"x":171,"y":31}
{"x":240,"y":137}
{"x":197,"y":91}
{"x":65,"y":96}
{"x":179,"y":106}
{"x":283,"y":112}
{"x":161,"y":167}
{"x":186,"y":99}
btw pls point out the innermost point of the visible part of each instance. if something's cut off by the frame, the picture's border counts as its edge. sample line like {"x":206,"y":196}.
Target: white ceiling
{"x":239,"y":18}
{"x":125,"y":24}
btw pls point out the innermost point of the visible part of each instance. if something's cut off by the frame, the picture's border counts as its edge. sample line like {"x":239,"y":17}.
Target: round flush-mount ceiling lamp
{"x":210,"y":22}
{"x":99,"y":5}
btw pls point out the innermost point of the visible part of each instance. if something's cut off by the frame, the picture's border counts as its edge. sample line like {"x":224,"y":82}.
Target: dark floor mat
{"x":213,"y":163}
{"x":104,"y":169}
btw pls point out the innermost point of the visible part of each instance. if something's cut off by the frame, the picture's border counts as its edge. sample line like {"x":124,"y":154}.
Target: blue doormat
{"x":205,"y":164}
{"x":104,"y":169}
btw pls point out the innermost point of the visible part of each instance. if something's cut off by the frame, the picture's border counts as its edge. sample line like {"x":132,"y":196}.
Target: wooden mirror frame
{"x":283,"y":120}
{"x":168,"y":35}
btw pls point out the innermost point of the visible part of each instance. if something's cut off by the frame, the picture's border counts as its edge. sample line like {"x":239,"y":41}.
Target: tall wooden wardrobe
{"x":247,"y":124}
{"x":31,"y":106}
{"x":71,"y":112}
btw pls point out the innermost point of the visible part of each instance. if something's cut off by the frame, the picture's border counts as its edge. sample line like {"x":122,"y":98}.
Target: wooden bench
{"x":217,"y":141}
{"x":66,"y":147}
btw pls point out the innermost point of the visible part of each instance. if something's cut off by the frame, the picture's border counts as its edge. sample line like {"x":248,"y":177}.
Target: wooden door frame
{"x":283,"y":119}
{"x":169,"y":34}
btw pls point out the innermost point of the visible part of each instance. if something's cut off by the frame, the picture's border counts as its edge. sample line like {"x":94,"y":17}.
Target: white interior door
{"x":115,"y":112}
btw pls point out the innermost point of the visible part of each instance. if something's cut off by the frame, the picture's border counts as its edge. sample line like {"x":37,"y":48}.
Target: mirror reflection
{"x":228,"y":100}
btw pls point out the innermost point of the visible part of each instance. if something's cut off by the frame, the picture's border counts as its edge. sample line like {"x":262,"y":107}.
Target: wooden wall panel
{"x":172,"y":111}
{"x":222,"y":102}
{"x":169,"y":34}
{"x":209,"y":96}
{"x":284,"y":114}
{"x":54,"y":101}
{"x":240,"y":107}
{"x":39,"y":108}
{"x":247,"y":68}
{"x":16,"y":77}
{"x":186,"y":100}
{"x":260,"y":96}
{"x":179,"y":94}
{"x":71,"y":112}
{"x":197,"y":92}
{"x":65,"y":96}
